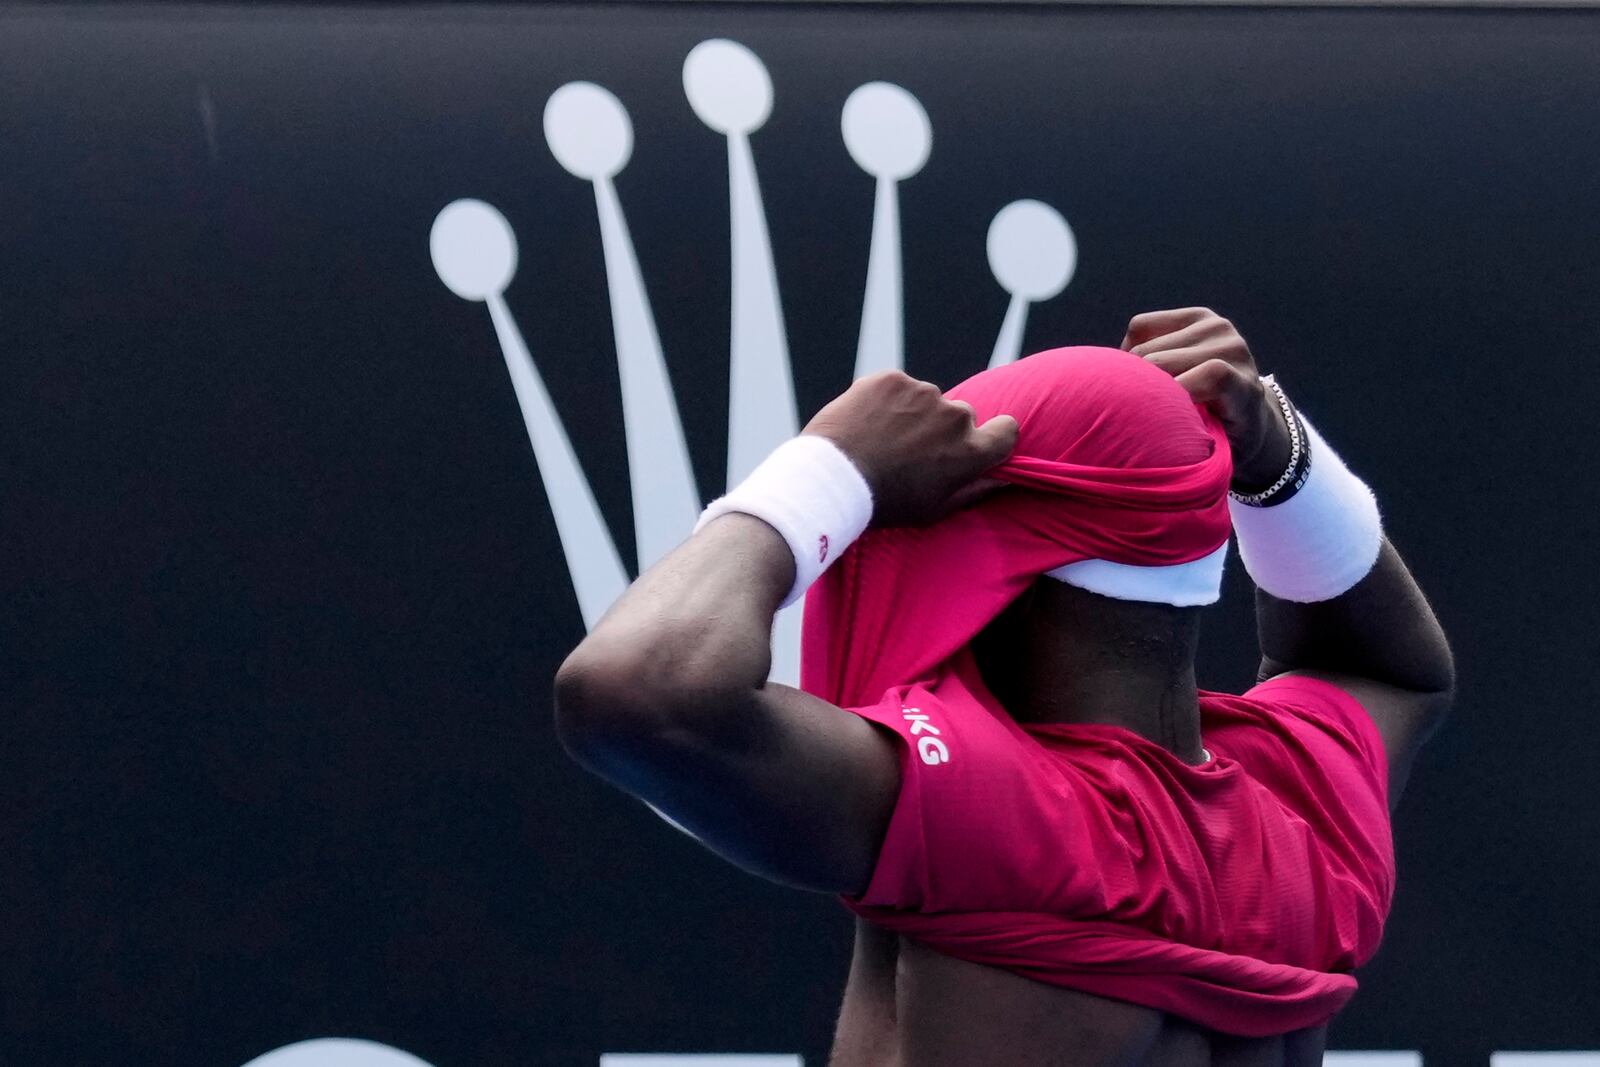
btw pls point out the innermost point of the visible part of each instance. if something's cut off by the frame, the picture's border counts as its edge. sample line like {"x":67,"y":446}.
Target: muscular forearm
{"x":1382,"y":629}
{"x":691,"y":636}
{"x":668,"y":700}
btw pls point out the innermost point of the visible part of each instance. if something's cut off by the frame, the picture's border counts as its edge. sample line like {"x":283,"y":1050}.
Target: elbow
{"x":616,"y":705}
{"x":1437,"y":691}
{"x":1447,"y":681}
{"x":1436,"y":666}
{"x":596,"y":709}
{"x":1441,"y":672}
{"x":1447,"y":678}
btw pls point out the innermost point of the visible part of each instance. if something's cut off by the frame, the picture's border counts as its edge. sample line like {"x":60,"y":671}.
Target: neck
{"x":1067,"y":656}
{"x":1163,"y":710}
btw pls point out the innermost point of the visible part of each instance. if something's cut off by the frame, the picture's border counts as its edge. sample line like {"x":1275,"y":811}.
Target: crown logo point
{"x":1033,"y":255}
{"x":588,"y":131}
{"x":1031,"y":249}
{"x":474,"y":251}
{"x":728,"y":87}
{"x":887,"y":133}
{"x":475,"y":254}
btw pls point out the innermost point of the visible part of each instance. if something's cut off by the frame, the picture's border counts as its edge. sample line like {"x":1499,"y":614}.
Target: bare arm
{"x":668,"y":697}
{"x":1379,"y":641}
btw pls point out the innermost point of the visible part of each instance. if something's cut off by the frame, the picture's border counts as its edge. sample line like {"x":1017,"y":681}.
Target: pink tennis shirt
{"x":1239,"y":894}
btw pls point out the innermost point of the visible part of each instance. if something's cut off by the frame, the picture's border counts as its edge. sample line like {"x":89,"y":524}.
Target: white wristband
{"x":1320,"y":542}
{"x":810,"y":492}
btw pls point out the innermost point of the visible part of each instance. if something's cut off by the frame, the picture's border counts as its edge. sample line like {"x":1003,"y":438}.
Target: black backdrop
{"x":282,"y":598}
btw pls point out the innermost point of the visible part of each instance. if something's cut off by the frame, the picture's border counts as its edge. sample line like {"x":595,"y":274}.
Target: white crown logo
{"x":1031,"y":250}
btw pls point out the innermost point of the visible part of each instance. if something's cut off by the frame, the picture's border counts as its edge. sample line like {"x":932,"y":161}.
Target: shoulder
{"x":1309,"y":741}
{"x":1310,"y":709}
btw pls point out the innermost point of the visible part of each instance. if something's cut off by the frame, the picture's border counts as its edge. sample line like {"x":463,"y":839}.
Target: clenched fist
{"x":922,"y":455}
{"x":1210,"y":359}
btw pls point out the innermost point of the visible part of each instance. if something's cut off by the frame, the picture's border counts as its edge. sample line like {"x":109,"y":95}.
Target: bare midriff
{"x":908,"y":1006}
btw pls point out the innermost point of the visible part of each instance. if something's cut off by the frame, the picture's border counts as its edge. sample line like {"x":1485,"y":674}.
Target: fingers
{"x":991,"y":444}
{"x":973,"y":492}
{"x":1186,"y":337}
{"x":995,"y":440}
{"x":1183,"y":360}
{"x":963,"y":410}
{"x":894,"y":387}
{"x":1153,"y":324}
{"x":884,"y":377}
{"x":1218,"y":382}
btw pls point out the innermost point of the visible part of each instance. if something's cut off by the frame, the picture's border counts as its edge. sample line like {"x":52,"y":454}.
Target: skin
{"x":668,"y":699}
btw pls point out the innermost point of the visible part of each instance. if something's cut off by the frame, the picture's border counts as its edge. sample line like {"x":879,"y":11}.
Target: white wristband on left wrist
{"x":1318,"y":543}
{"x":810,"y":492}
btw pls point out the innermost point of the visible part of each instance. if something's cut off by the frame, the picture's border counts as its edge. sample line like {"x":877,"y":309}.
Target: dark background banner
{"x":280,"y":593}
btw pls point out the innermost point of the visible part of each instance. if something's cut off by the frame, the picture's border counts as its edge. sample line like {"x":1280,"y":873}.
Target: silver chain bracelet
{"x":1297,"y":451}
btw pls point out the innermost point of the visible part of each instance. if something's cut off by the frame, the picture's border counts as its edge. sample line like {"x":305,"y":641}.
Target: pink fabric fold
{"x":1113,"y":461}
{"x":1230,"y":994}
